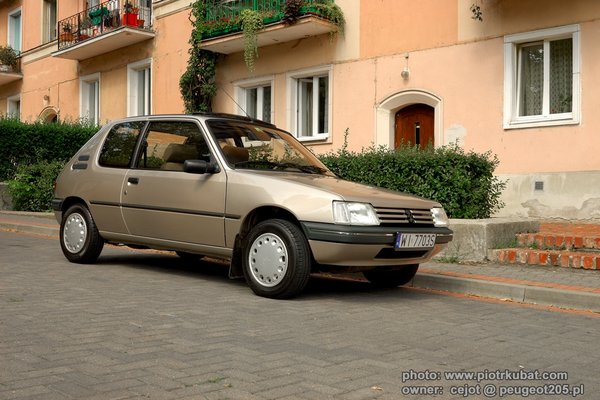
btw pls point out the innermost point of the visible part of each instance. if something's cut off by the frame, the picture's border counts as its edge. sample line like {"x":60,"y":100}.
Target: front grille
{"x":403,"y":216}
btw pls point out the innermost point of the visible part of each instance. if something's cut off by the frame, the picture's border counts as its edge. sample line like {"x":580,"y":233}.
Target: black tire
{"x":391,"y":278}
{"x":80,"y":240}
{"x":282,"y":269}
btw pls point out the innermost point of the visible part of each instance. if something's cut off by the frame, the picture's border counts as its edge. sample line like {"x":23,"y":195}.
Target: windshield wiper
{"x":311,"y":169}
{"x":265,"y":164}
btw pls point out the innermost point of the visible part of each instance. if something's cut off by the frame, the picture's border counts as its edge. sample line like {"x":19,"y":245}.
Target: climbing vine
{"x":252,"y":23}
{"x":197,"y":84}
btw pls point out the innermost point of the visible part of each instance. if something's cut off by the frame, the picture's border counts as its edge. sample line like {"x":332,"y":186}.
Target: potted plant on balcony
{"x":130,"y":14}
{"x":85,"y":29}
{"x":67,"y":34}
{"x":8,"y":59}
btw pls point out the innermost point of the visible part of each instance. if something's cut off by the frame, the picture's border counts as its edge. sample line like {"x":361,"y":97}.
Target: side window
{"x":119,"y":145}
{"x":168,"y":144}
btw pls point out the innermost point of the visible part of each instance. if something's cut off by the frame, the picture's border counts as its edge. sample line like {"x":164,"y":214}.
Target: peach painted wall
{"x":394,"y":26}
{"x":170,"y":57}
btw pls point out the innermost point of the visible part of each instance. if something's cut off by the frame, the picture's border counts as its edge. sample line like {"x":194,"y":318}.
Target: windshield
{"x":252,"y":146}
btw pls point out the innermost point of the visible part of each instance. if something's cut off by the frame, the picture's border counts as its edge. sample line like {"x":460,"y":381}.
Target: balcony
{"x":223,"y":23}
{"x":109,"y":26}
{"x":9,"y":73}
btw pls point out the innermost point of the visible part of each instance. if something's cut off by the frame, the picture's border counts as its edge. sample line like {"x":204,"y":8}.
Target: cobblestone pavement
{"x":146,"y":325}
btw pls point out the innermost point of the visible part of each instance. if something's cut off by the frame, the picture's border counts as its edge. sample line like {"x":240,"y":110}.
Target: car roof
{"x":203,"y":115}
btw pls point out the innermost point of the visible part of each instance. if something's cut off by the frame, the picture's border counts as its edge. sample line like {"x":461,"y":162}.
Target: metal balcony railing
{"x":223,"y":16}
{"x":102,"y":19}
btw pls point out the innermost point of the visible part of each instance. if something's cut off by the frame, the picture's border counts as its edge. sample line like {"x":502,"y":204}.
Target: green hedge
{"x":27,"y":143}
{"x":32,"y":188}
{"x":33,"y":154}
{"x":463,"y":182}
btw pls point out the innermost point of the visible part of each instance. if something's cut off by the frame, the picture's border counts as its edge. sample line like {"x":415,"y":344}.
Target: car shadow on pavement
{"x":319,"y":285}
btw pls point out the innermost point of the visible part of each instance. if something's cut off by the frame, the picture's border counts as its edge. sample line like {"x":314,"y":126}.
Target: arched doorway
{"x":414,"y":126}
{"x":386,"y":110}
{"x":49,"y":114}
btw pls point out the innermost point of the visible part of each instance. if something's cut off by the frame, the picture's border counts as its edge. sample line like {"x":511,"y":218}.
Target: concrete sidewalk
{"x":553,"y":286}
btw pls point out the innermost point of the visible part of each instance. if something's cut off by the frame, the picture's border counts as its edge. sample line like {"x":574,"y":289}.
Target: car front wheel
{"x":276,"y":259}
{"x":79,"y":237}
{"x":391,"y":278}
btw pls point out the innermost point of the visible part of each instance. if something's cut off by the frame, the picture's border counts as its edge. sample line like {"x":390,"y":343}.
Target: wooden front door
{"x":414,"y":126}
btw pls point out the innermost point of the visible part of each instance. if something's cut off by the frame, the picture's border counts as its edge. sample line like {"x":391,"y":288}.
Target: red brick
{"x":533,"y":257}
{"x":539,"y":240}
{"x":511,"y":256}
{"x":564,"y":260}
{"x":576,"y":261}
{"x":578,"y":242}
{"x":588,"y":262}
{"x":554,"y":259}
{"x":597,"y":243}
{"x":550,"y":240}
{"x":522,"y":256}
{"x":559,"y":240}
{"x":543,"y":258}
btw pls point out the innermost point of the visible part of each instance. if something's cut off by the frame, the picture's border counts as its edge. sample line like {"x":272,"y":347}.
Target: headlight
{"x":354,"y":213}
{"x":439,"y":217}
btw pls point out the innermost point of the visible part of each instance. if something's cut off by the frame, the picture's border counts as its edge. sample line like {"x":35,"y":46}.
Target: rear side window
{"x":119,"y":145}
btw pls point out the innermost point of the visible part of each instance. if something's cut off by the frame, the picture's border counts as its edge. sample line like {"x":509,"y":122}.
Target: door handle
{"x":133,"y":181}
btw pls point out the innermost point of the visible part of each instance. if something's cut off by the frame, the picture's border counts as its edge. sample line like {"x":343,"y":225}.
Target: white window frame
{"x":512,"y":120}
{"x":12,"y":42}
{"x":10,"y":105}
{"x":292,"y":89}
{"x":241,"y":99}
{"x":49,"y":21}
{"x":84,"y":107}
{"x":133,"y":70}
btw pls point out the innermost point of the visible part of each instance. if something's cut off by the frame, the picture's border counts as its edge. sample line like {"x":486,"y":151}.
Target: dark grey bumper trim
{"x":367,"y":234}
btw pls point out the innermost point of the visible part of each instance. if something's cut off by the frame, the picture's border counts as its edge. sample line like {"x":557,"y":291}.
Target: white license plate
{"x":415,"y":240}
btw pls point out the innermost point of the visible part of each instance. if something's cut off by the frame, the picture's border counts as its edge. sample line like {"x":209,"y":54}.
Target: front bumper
{"x":368,"y":246}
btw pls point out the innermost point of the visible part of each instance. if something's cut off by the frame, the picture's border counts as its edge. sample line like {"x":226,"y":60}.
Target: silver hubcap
{"x":74,"y":232}
{"x":268,"y":259}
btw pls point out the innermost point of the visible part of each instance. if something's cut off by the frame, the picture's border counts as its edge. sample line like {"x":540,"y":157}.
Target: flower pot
{"x":66,"y":37}
{"x":140,"y":23}
{"x":6,"y":68}
{"x":130,"y":19}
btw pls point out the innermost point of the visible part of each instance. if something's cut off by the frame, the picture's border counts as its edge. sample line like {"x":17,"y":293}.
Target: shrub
{"x":463,"y":182}
{"x":32,"y":188}
{"x":27,"y":143}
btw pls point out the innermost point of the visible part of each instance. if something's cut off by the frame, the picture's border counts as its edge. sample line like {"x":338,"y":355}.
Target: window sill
{"x":539,"y":122}
{"x":313,"y":139}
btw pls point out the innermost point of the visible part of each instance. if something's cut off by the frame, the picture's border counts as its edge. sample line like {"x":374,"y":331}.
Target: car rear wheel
{"x":276,"y":259}
{"x":79,"y":237}
{"x":391,"y":278}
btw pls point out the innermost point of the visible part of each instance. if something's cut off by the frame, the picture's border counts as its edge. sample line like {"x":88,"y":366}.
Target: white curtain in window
{"x":531,"y":79}
{"x":561,"y":76}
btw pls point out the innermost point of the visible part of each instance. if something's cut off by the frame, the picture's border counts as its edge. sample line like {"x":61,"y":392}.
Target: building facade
{"x":520,"y":83}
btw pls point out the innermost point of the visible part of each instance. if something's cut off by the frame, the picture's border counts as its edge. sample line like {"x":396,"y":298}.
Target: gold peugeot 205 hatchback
{"x":234,"y":188}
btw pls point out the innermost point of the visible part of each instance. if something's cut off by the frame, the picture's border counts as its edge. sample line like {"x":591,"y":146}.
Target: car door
{"x":161,"y":201}
{"x":103,"y":186}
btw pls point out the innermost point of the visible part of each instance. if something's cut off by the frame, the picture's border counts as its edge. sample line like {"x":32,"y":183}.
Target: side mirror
{"x":200,"y":167}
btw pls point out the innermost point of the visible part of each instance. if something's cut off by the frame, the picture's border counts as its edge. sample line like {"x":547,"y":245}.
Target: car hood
{"x":352,"y":191}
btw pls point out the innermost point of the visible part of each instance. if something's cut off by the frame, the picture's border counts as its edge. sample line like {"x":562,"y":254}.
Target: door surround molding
{"x":385,"y":115}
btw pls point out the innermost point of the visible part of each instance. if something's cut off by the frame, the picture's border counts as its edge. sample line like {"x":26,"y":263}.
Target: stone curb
{"x":569,"y":299}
